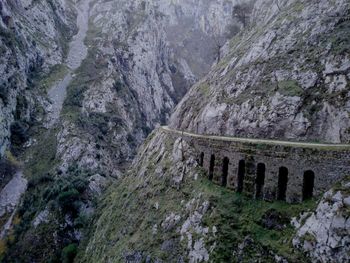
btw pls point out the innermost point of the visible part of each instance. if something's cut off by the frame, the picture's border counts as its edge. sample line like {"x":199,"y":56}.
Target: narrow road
{"x":77,"y":53}
{"x":325,"y":146}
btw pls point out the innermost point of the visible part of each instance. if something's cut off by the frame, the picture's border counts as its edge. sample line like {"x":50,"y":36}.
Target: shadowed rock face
{"x":287,"y":77}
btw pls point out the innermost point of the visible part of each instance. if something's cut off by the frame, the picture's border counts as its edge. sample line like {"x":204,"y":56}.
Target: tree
{"x":218,"y":44}
{"x":242,"y":13}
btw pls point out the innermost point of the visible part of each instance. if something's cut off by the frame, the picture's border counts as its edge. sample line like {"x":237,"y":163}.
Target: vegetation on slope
{"x":132,"y":219}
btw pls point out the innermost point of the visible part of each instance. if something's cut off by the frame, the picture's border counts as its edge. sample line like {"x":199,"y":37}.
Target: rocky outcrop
{"x":143,"y":56}
{"x":274,"y":84}
{"x":271,"y":84}
{"x":32,"y":40}
{"x":324,"y":234}
{"x":100,"y":109}
{"x":176,"y":230}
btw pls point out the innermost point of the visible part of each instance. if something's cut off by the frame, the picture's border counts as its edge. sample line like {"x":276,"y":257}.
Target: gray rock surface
{"x":11,"y":193}
{"x":287,"y":77}
{"x":32,"y":40}
{"x":142,"y":59}
{"x":325,"y":234}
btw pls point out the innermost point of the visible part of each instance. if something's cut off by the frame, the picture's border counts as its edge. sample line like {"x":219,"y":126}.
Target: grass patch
{"x":237,"y":216}
{"x":86,"y":75}
{"x":127,"y":216}
{"x":46,"y":80}
{"x":204,"y":89}
{"x":42,"y":156}
{"x":290,"y":88}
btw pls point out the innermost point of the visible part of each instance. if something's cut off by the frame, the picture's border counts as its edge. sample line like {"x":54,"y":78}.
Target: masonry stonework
{"x":327,"y":165}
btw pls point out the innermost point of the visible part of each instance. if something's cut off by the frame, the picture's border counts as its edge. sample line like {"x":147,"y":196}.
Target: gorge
{"x":174,"y":131}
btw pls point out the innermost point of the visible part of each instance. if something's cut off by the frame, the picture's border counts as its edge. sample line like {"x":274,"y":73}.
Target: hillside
{"x":288,"y":77}
{"x":84,"y":83}
{"x":174,"y":131}
{"x":285,"y":77}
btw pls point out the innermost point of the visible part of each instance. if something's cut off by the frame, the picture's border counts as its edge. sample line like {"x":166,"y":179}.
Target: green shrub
{"x":42,"y":179}
{"x":75,"y":97}
{"x":290,"y":88}
{"x":80,"y":184}
{"x":81,"y":221}
{"x":19,"y":133}
{"x":67,"y":199}
{"x":69,"y":253}
{"x":4,"y":93}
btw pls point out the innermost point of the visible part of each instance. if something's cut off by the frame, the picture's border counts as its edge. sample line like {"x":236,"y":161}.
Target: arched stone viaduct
{"x":269,"y":169}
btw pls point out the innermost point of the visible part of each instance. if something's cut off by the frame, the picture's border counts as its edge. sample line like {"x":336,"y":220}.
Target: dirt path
{"x":325,"y":146}
{"x":77,"y":53}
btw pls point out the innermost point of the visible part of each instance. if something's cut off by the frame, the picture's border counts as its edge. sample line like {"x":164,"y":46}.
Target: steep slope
{"x":324,"y":234}
{"x":287,"y":78}
{"x":137,"y":69}
{"x":166,"y":210}
{"x":33,"y":37}
{"x":101,"y":109}
{"x":33,"y":44}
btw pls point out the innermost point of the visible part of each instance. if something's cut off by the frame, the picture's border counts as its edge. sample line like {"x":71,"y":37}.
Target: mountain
{"x":87,"y":173}
{"x":34,"y":37}
{"x":137,"y":69}
{"x":83,"y":84}
{"x":285,"y":76}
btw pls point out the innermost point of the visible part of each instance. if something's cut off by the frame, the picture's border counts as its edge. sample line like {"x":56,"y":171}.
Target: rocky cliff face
{"x":91,"y":116}
{"x":287,"y":77}
{"x":33,"y":40}
{"x":324,"y":234}
{"x":139,"y":66}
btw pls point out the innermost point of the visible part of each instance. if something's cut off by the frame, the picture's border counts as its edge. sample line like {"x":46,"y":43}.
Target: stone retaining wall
{"x":324,"y":167}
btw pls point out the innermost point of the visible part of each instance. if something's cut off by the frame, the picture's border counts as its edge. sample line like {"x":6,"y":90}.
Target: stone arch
{"x":240,"y":176}
{"x":211,"y":167}
{"x":201,"y":159}
{"x":260,"y":180}
{"x":282,"y":183}
{"x":308,"y":184}
{"x":225,"y":164}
